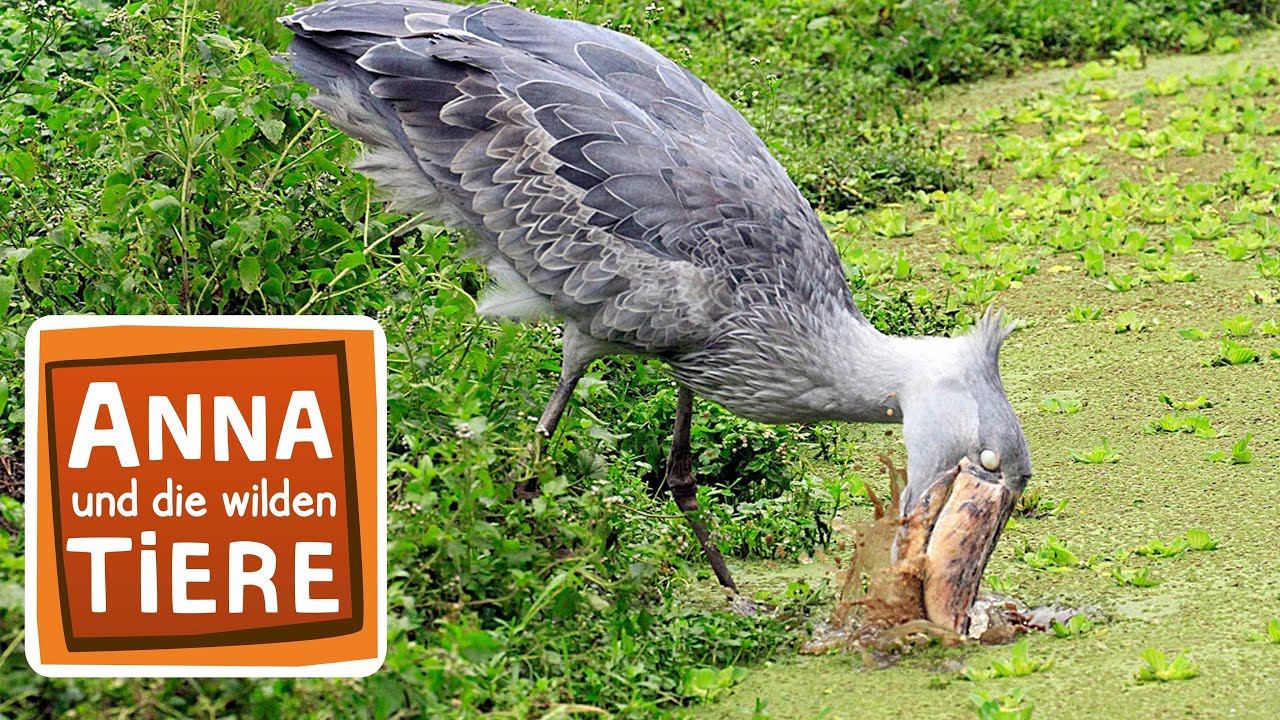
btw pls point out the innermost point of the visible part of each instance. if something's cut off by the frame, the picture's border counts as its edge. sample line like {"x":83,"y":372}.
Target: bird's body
{"x":608,"y":187}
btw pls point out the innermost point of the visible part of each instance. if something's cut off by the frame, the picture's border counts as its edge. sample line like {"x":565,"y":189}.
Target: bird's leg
{"x":685,"y":489}
{"x":569,"y":377}
{"x":556,"y":405}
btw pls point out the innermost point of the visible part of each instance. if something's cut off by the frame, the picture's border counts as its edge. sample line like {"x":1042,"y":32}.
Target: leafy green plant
{"x":1200,"y":541}
{"x":1193,"y":334}
{"x":1177,"y":276}
{"x":1269,"y":634}
{"x":704,"y":683}
{"x":1098,"y":454}
{"x":1159,"y":549}
{"x":1075,"y":626}
{"x":1019,"y":664}
{"x":1239,"y":455}
{"x":999,"y":584}
{"x":1122,"y":282}
{"x":1200,"y":403}
{"x":1238,"y":326}
{"x":1140,"y":577}
{"x":1050,"y":556}
{"x":1013,"y":706}
{"x":1128,"y":321}
{"x":1268,"y":266}
{"x":889,"y":222}
{"x":1232,"y":353}
{"x":1062,"y":405}
{"x":1079,"y":314}
{"x":1033,"y":504}
{"x":1158,"y":668}
{"x":1094,"y":257}
{"x":1195,"y":424}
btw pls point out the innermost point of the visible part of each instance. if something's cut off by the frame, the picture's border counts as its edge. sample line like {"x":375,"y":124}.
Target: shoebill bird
{"x":605,"y":186}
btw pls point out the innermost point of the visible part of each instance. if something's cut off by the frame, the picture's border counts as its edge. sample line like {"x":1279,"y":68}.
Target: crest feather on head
{"x":991,"y":330}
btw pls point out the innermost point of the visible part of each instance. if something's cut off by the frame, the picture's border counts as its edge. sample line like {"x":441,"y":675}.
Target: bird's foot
{"x":746,"y":607}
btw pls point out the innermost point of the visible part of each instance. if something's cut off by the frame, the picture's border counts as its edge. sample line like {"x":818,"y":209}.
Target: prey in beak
{"x":963,"y":513}
{"x":927,"y":563}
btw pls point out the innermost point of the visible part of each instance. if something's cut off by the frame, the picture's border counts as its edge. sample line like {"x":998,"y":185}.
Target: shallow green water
{"x":1207,"y":603}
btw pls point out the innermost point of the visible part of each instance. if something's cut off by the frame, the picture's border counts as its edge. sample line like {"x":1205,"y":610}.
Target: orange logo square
{"x":206,"y":496}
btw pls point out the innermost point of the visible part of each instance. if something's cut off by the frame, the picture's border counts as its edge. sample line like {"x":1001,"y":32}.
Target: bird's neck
{"x":863,"y":375}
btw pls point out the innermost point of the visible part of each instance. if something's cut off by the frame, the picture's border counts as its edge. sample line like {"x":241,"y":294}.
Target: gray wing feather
{"x":612,"y":183}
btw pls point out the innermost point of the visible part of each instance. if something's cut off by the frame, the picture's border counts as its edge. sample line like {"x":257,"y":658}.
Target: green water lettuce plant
{"x":1270,"y":634}
{"x":1140,"y":577}
{"x":1195,"y":424}
{"x":1098,"y":454}
{"x":1237,"y":326}
{"x":1158,"y":668}
{"x":1199,"y":403}
{"x":1161,"y":549}
{"x":1128,"y":321}
{"x":1080,"y":313}
{"x":1013,"y":706}
{"x":1050,"y":556}
{"x":1033,"y":504}
{"x":1075,"y":626}
{"x":1231,"y":353}
{"x":1019,"y":664}
{"x":1239,"y":455}
{"x":1059,"y":404}
{"x":1200,"y":541}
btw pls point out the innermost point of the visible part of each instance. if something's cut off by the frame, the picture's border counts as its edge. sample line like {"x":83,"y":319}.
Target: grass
{"x":145,"y":174}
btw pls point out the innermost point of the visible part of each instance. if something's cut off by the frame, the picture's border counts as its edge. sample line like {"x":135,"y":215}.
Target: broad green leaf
{"x":7,"y":285}
{"x":249,"y":270}
{"x":21,"y":165}
{"x":350,"y":261}
{"x":167,"y":209}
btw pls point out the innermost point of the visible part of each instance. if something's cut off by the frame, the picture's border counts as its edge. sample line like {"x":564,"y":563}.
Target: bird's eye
{"x":990,"y":460}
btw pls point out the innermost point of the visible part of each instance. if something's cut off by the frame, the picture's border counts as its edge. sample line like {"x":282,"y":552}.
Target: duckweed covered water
{"x":1191,"y":206}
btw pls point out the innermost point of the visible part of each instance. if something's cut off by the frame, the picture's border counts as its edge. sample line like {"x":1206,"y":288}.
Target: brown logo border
{"x":226,"y":638}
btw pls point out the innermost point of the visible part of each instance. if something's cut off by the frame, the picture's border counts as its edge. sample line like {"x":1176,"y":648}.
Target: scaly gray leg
{"x":685,"y":489}
{"x":551,"y":415}
{"x":558,"y":402}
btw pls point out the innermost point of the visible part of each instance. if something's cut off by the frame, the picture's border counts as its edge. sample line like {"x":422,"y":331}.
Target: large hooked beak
{"x":964,"y":510}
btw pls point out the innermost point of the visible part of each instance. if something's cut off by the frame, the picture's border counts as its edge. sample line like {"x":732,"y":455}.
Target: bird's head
{"x":957,"y":411}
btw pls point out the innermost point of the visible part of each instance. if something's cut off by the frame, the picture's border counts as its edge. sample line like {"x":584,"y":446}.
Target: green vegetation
{"x":154,"y":159}
{"x":1098,"y":454}
{"x":1239,"y":454}
{"x":1050,"y":556}
{"x":1128,"y":321}
{"x":1271,"y":634}
{"x":1238,"y":326}
{"x":1083,"y":314}
{"x":1033,"y":504}
{"x":1195,"y":424}
{"x":1200,"y":403}
{"x":1013,"y":706}
{"x":1075,"y":626}
{"x":1158,"y":668}
{"x":1200,"y":541}
{"x":1232,"y":353}
{"x":1019,"y":664}
{"x":1140,"y":577}
{"x":1066,"y":406}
